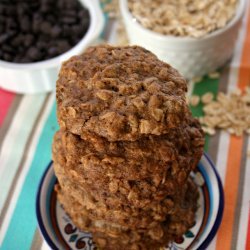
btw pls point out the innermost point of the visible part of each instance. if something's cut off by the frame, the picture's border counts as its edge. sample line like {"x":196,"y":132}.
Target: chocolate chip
{"x":1,"y":9}
{"x":51,"y":19}
{"x":34,"y":30}
{"x":41,"y":44}
{"x":78,"y":29}
{"x":45,"y":8}
{"x":34,"y":53}
{"x":25,"y":24}
{"x":17,"y":40}
{"x":45,"y":27}
{"x":28,"y":40}
{"x":83,"y":13}
{"x":69,"y":13}
{"x":22,"y":9}
{"x":1,"y":28}
{"x":55,"y":31}
{"x":3,"y":38}
{"x":63,"y":45}
{"x":2,"y":19}
{"x":7,"y":48}
{"x":24,"y":60}
{"x":11,"y":24}
{"x":66,"y":30}
{"x":11,"y":10}
{"x":53,"y":51}
{"x":69,"y":20}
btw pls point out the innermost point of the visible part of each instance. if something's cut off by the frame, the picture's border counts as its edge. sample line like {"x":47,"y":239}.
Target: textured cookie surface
{"x":124,"y":215}
{"x":114,"y":236}
{"x":136,"y":173}
{"x":120,"y":93}
{"x":126,"y":146}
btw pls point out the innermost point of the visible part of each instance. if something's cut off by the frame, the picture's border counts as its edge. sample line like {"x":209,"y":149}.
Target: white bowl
{"x":31,"y":78}
{"x":191,"y":56}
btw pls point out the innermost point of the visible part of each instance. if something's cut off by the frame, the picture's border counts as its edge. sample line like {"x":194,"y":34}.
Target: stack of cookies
{"x":125,"y":149}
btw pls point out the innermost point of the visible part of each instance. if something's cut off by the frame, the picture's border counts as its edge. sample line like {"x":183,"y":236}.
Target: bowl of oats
{"x":196,"y":37}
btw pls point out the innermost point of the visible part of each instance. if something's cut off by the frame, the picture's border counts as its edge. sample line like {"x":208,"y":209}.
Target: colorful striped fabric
{"x":28,"y":123}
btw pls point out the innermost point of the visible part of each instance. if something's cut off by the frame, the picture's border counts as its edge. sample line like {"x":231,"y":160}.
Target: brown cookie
{"x":108,"y":234}
{"x":135,"y":173}
{"x":120,"y":93}
{"x":124,"y":214}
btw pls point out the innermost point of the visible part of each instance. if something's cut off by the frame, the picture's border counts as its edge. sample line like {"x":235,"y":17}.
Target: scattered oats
{"x":197,"y":79}
{"x":237,"y":92}
{"x":214,"y":75}
{"x":231,"y":131}
{"x":238,"y":132}
{"x":229,"y":112}
{"x":246,"y":99}
{"x":194,"y":100}
{"x":193,"y":18}
{"x":208,"y":130}
{"x":224,"y":124}
{"x":248,"y":153}
{"x":222,"y":98}
{"x":201,"y":119}
{"x":207,"y":98}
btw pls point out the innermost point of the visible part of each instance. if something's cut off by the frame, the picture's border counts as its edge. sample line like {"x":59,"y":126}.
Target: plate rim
{"x":220,"y":212}
{"x":41,"y":226}
{"x":203,"y":245}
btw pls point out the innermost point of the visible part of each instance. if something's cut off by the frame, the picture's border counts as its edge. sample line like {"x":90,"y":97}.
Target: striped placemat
{"x":28,"y":123}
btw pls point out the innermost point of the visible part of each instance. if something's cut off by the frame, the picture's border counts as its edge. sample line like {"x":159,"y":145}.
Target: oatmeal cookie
{"x":108,"y":235}
{"x":124,"y":214}
{"x":120,"y":93}
{"x":137,"y":173}
{"x":126,"y":146}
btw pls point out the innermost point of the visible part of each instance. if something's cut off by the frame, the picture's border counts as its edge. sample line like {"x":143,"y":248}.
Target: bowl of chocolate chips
{"x":36,"y":36}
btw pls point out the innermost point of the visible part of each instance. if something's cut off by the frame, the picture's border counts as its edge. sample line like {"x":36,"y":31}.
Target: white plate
{"x":60,"y":233}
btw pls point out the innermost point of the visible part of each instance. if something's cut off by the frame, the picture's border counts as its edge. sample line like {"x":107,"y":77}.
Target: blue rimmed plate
{"x":60,"y":233}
